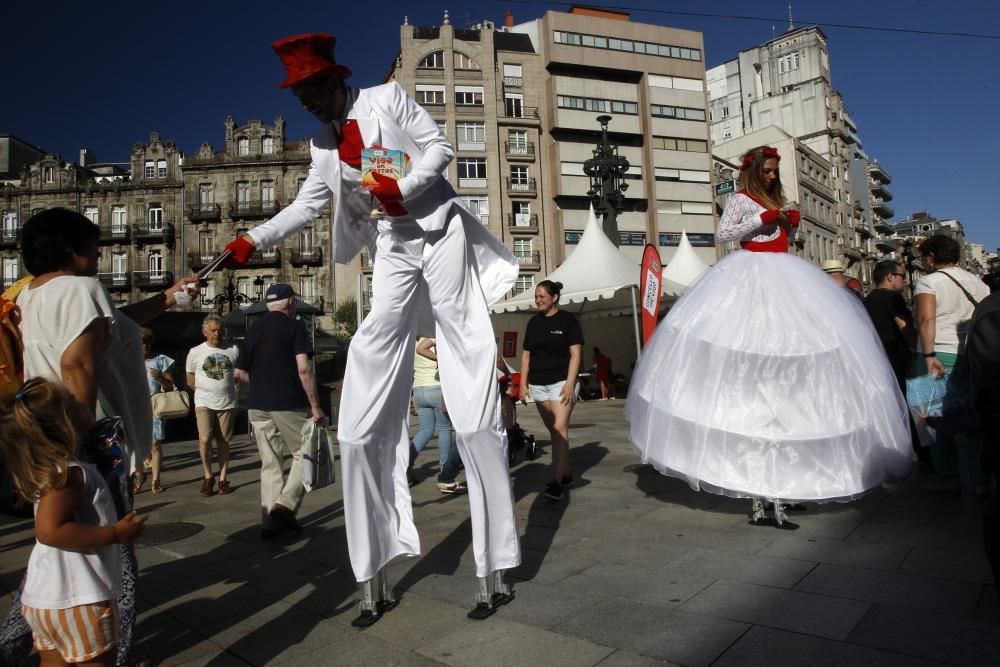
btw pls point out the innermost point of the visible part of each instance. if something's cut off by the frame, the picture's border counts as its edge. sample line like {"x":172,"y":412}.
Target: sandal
{"x":138,"y":480}
{"x":224,"y":487}
{"x":208,"y":486}
{"x":156,"y":487}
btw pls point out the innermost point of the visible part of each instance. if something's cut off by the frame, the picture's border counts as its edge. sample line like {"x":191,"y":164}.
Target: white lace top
{"x":741,"y":222}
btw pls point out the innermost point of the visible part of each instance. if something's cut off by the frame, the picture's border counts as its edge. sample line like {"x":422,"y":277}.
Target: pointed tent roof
{"x":684,"y":268}
{"x":596,"y":270}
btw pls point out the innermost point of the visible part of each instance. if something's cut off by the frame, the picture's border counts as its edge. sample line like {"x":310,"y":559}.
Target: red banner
{"x":649,"y":283}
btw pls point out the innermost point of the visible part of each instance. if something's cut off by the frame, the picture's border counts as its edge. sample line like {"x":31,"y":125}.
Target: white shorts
{"x":548,"y":392}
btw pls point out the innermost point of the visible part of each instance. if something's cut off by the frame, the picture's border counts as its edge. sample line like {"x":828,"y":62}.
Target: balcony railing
{"x":253,"y":209}
{"x":519,"y":151}
{"x":527,"y":260}
{"x":519,"y":222}
{"x":161,"y":232}
{"x":152,"y":280}
{"x":223,"y":157}
{"x":307,"y":257}
{"x":521,"y":186}
{"x":880,"y":189}
{"x":197,"y":261}
{"x":522,"y":113}
{"x":265,"y":258}
{"x":883,"y":209}
{"x":109,"y":234}
{"x":116,"y":281}
{"x":205,"y":213}
{"x":9,"y":237}
{"x":367,"y":262}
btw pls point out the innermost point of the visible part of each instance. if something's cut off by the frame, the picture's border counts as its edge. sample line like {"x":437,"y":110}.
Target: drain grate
{"x":163,"y":533}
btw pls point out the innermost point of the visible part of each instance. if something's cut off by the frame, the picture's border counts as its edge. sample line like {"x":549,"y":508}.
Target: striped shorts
{"x":78,"y":633}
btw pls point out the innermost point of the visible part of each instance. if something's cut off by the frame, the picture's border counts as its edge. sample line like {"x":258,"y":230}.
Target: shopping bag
{"x":941,"y":405}
{"x":317,"y":455}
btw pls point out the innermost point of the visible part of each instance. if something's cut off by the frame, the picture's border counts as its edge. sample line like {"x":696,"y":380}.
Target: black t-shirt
{"x":268,"y":355}
{"x":884,"y":306}
{"x":548,"y":340}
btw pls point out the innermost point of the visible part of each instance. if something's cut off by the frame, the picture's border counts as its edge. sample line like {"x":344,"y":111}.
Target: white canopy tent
{"x":598,"y":280}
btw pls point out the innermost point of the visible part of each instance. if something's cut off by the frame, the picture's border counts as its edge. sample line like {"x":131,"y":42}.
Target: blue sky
{"x":105,"y":75}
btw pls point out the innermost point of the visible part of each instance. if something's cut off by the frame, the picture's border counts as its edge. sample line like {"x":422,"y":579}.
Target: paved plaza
{"x":631,"y":569}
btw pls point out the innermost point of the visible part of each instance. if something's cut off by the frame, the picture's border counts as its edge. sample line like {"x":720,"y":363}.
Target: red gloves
{"x":770,"y":217}
{"x":793,"y":217}
{"x":386,"y":190}
{"x":241,"y":250}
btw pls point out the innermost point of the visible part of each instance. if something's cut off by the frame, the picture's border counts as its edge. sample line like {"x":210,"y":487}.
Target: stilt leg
{"x":376,"y":599}
{"x":493,"y":593}
{"x":757,"y":513}
{"x":780,"y":518}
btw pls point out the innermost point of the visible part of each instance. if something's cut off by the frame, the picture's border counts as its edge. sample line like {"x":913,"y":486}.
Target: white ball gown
{"x":767,"y":380}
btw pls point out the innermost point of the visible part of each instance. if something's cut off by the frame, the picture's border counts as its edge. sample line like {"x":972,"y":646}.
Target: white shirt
{"x":58,"y":578}
{"x":56,"y":314}
{"x":954,"y":310}
{"x":214,"y":387}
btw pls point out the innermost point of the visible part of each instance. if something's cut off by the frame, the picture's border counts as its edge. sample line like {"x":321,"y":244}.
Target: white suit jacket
{"x":387,"y":116}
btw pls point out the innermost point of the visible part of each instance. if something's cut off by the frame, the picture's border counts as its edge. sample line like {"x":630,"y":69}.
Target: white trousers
{"x":373,"y":427}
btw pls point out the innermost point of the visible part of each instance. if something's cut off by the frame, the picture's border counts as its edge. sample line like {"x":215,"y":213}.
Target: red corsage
{"x":766,"y":152}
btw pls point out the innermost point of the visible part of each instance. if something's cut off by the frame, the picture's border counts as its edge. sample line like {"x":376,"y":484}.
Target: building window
{"x":267,"y":145}
{"x":597,"y":105}
{"x":161,"y":168}
{"x":679,"y":144}
{"x":307,"y":239}
{"x":513,"y":106}
{"x":150,"y":171}
{"x":519,"y":178}
{"x":243,"y":146}
{"x":93,"y":214}
{"x":522,"y":247}
{"x":119,"y":220}
{"x":522,"y":213}
{"x":10,"y":271}
{"x":517,"y":142}
{"x":242,"y":194}
{"x":433,"y":60}
{"x":119,"y":265}
{"x":463,"y":61}
{"x":684,"y":207}
{"x":307,"y":286}
{"x":430,"y":94}
{"x":469,"y":95}
{"x":680,"y":113}
{"x":512,"y":70}
{"x":267,"y":192}
{"x":206,"y":195}
{"x":155,"y":264}
{"x":206,"y":245}
{"x":299,"y":183}
{"x":480,"y":206}
{"x":617,"y":44}
{"x":155,"y":218}
{"x":443,"y":126}
{"x":524,"y":283}
{"x":471,"y":135}
{"x":675,"y":82}
{"x":788,"y":63}
{"x":471,"y":171}
{"x":49,"y":174}
{"x":9,"y":225}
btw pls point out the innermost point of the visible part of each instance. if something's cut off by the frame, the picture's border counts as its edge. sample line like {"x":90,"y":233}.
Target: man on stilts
{"x":433,"y":258}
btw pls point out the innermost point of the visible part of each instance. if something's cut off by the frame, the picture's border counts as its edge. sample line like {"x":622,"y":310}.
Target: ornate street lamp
{"x":232,"y":296}
{"x":607,"y":181}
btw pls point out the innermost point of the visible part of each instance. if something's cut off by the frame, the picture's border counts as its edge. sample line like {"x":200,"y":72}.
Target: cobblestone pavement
{"x":632,"y":568}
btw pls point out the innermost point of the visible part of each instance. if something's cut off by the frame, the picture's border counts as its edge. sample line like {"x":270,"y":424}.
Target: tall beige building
{"x":520,"y":103}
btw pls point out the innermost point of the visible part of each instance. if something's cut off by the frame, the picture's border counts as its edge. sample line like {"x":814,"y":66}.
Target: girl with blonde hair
{"x":70,"y":592}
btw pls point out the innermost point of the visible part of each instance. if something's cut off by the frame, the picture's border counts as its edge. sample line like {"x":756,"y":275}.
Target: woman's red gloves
{"x":793,"y":217}
{"x":770,"y":217}
{"x":241,"y":250}
{"x":386,"y":190}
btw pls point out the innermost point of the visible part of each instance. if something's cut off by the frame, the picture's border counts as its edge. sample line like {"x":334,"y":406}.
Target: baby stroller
{"x":520,"y":444}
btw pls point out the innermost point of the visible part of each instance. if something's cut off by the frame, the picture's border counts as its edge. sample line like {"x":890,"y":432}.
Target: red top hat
{"x":308,"y":56}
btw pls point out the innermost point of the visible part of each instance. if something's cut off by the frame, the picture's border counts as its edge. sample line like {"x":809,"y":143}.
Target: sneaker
{"x":451,"y":487}
{"x":553,"y":490}
{"x":567,"y":482}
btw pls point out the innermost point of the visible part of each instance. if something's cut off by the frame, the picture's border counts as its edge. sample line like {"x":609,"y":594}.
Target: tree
{"x":346,"y":316}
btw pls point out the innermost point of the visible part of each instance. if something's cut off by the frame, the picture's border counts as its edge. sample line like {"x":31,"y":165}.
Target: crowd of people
{"x":753,"y":397}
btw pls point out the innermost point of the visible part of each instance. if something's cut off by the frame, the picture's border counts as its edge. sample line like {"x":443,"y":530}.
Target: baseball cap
{"x":279,"y":291}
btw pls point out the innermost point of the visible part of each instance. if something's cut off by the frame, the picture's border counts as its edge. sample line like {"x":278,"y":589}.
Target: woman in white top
{"x":429,"y":403}
{"x":75,"y":335}
{"x":70,"y":592}
{"x":945,"y":299}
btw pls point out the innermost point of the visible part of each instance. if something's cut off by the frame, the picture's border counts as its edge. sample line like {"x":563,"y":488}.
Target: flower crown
{"x":766,"y":153}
